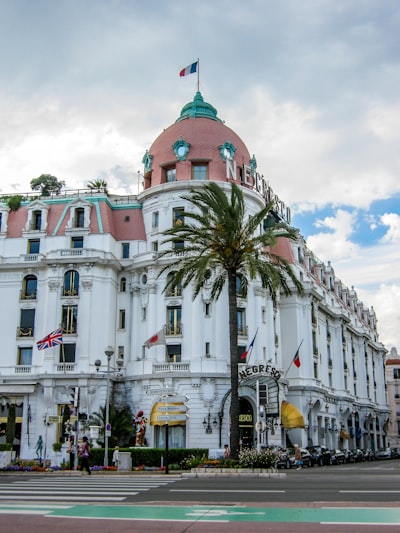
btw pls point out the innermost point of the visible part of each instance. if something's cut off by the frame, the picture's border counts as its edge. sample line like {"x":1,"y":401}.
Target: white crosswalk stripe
{"x":82,"y":489}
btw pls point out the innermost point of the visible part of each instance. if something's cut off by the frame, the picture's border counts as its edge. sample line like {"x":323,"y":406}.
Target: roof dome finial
{"x":198,"y":108}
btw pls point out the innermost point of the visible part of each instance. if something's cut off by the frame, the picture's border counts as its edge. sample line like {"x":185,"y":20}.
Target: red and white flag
{"x":296,"y":358}
{"x":157,"y":338}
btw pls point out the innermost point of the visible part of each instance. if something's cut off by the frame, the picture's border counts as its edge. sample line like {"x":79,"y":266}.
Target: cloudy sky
{"x":311,"y":86}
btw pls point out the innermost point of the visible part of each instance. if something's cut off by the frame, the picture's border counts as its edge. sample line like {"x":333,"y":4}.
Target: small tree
{"x":10,"y":430}
{"x":47,"y":184}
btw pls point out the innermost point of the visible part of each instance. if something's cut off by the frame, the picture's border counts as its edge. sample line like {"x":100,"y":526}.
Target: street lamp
{"x":109,"y":351}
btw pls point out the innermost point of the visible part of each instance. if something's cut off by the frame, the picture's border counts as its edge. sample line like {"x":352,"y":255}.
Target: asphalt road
{"x":337,"y":499}
{"x":376,"y":482}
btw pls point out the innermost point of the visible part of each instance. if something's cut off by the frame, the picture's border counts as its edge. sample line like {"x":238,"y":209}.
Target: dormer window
{"x":37,"y":220}
{"x":37,"y":217}
{"x":79,"y":218}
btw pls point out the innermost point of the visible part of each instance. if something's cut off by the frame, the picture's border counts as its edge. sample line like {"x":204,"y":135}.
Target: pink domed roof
{"x":198,"y":137}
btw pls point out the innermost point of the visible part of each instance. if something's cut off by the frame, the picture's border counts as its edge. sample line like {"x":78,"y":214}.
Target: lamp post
{"x":109,"y":351}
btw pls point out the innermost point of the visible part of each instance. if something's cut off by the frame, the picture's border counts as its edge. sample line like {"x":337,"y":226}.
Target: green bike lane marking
{"x":354,"y":515}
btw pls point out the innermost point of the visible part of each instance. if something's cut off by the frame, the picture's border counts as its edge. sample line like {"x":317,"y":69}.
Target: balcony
{"x":173,"y":329}
{"x":70,"y":292}
{"x":23,"y":369}
{"x":242,"y":330}
{"x":24,"y":295}
{"x":25,"y":331}
{"x":171,"y":367}
{"x":66,"y":367}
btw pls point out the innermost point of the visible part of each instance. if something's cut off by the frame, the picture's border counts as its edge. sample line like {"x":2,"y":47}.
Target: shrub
{"x":251,"y":458}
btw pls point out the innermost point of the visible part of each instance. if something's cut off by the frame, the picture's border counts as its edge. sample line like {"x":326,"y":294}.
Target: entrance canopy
{"x":291,"y":417}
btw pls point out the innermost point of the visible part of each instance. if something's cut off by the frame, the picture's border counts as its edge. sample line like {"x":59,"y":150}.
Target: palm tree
{"x":97,"y":184}
{"x":121,"y":421}
{"x":222,"y":243}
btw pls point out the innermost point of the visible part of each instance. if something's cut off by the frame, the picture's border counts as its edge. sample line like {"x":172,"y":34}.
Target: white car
{"x":383,"y":453}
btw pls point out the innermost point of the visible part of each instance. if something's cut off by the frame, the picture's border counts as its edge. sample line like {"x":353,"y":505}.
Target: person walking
{"x":84,"y":454}
{"x":297,"y":457}
{"x":115,"y":457}
{"x":71,"y":452}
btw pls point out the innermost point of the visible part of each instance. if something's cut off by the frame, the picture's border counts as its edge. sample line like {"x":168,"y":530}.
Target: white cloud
{"x":393,"y":221}
{"x":335,"y":245}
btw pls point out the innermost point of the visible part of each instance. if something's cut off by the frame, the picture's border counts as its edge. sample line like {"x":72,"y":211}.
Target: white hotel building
{"x":88,"y":260}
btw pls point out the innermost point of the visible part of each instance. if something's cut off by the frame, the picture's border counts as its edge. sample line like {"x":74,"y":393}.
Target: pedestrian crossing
{"x":107,"y":489}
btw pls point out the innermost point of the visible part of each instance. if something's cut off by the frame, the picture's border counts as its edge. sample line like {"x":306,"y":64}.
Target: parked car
{"x":358,"y":455}
{"x":320,"y":455}
{"x":283,"y":460}
{"x":305,"y":456}
{"x":383,"y":453}
{"x":348,"y":456}
{"x":395,"y":453}
{"x":338,"y":457}
{"x":369,"y":455}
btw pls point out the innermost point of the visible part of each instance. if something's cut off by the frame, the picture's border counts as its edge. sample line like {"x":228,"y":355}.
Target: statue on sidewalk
{"x":140,"y":422}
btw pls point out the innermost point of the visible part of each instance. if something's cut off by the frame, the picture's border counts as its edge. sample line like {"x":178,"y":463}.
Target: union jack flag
{"x":52,"y":339}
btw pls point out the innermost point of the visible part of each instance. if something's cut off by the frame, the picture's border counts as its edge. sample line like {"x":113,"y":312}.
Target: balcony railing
{"x":70,"y":292}
{"x":242,"y":331}
{"x":24,"y":295}
{"x":66,"y":367}
{"x":171,"y":367}
{"x":173,"y":329}
{"x":25,"y":332}
{"x":23,"y":369}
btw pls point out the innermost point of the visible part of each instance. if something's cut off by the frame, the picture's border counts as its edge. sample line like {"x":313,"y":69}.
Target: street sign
{"x":173,"y":399}
{"x":172,"y":418}
{"x":170,"y":408}
{"x":53,"y":419}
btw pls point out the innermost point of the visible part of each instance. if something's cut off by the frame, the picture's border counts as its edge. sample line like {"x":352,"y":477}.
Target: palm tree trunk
{"x":233,"y":335}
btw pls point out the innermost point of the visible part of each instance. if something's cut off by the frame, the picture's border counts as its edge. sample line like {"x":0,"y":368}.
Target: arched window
{"x":71,"y":283}
{"x":122,"y":285}
{"x":173,"y":290}
{"x":29,"y":288}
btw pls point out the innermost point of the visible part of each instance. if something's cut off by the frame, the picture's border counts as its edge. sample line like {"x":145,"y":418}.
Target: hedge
{"x":150,"y":457}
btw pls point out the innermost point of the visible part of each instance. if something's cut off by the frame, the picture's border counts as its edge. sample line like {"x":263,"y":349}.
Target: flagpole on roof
{"x":198,"y":75}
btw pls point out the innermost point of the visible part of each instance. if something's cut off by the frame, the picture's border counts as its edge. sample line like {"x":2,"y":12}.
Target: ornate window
{"x":69,"y":319}
{"x":71,"y":283}
{"x":181,"y":149}
{"x":27,"y":323}
{"x":173,"y":290}
{"x":174,"y":318}
{"x":29,"y":288}
{"x":227,"y":150}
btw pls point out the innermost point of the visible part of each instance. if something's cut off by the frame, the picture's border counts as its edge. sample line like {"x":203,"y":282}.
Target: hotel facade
{"x":89,"y":262}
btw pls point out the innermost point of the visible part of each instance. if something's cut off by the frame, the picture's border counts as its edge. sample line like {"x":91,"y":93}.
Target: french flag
{"x":190,"y":69}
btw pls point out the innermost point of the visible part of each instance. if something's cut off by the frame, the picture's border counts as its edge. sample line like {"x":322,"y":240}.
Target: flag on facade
{"x":247,"y":352}
{"x":190,"y":69}
{"x":52,"y":339}
{"x":296,"y":358}
{"x":157,"y":338}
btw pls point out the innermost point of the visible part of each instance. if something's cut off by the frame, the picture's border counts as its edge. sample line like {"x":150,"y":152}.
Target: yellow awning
{"x":291,"y":417}
{"x":172,"y":412}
